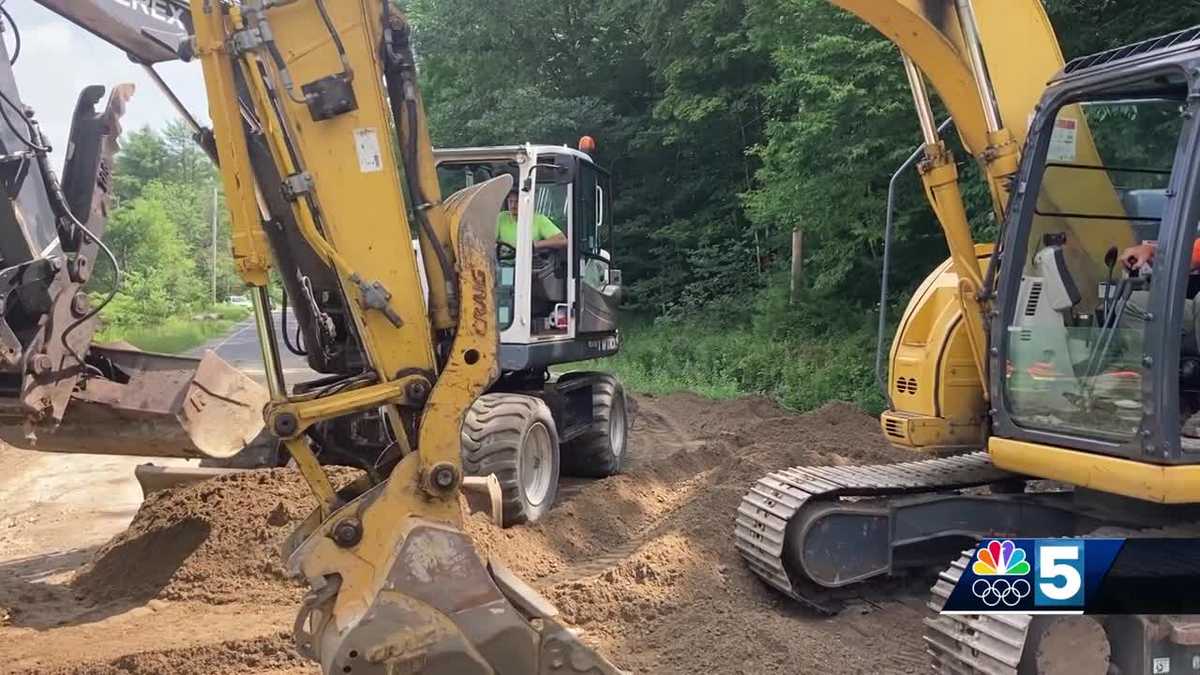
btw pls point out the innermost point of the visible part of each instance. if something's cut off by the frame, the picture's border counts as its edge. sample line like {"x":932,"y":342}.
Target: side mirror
{"x":612,"y":285}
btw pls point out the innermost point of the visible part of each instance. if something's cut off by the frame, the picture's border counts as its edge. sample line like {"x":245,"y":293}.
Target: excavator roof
{"x":1138,"y":53}
{"x":488,"y":152}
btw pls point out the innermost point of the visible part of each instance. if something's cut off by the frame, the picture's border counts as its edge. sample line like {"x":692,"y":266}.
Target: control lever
{"x":1110,"y":260}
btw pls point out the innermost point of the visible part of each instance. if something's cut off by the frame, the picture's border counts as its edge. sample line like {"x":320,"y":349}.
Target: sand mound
{"x":719,"y":447}
{"x":274,"y":654}
{"x":216,"y":542}
{"x":643,"y":563}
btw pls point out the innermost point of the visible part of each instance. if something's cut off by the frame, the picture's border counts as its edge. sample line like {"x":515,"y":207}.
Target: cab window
{"x":592,"y":229}
{"x":1075,"y":339}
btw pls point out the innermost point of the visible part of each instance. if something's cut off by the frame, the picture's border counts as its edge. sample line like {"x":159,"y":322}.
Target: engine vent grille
{"x":893,"y":428}
{"x":906,"y":385}
{"x":1035,"y":297}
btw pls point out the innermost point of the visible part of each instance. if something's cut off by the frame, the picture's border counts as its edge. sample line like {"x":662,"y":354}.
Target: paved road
{"x":240,"y":348}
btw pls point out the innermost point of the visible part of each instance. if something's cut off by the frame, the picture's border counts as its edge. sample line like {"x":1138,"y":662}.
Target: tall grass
{"x":178,"y":334}
{"x":801,"y":372}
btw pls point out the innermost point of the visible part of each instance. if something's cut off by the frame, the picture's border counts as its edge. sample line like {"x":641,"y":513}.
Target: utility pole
{"x":215,"y":211}
{"x":797,"y":262}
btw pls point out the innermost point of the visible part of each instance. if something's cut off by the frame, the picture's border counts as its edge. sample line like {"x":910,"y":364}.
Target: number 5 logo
{"x":1059,"y":573}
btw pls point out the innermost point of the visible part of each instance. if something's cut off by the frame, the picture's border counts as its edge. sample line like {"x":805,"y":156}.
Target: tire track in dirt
{"x":653,"y":434}
{"x":644,"y":564}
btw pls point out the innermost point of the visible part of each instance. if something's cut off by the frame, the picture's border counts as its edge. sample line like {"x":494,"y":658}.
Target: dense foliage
{"x":161,"y":233}
{"x":728,"y":123}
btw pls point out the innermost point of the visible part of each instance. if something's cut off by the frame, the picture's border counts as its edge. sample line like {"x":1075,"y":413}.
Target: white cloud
{"x":58,"y":59}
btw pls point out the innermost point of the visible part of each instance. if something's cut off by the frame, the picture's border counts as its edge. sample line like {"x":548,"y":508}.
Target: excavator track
{"x":972,"y":643}
{"x":764,"y":514}
{"x":977,"y":644}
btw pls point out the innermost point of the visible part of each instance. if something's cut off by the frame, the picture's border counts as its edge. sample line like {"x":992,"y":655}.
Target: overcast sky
{"x":58,"y":59}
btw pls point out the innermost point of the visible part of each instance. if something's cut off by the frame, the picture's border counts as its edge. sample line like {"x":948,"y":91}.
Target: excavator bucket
{"x":153,"y":478}
{"x":155,"y":406}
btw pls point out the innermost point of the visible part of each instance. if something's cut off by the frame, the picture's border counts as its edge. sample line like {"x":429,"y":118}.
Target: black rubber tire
{"x":592,"y":454}
{"x":494,"y":432}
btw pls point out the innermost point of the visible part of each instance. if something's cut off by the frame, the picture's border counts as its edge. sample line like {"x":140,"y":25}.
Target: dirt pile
{"x":215,"y":542}
{"x":755,"y":428}
{"x":271,"y":654}
{"x":643,"y":563}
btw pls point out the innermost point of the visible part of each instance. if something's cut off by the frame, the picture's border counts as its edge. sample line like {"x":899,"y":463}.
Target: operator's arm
{"x":1142,"y":254}
{"x":546,"y":234}
{"x":1135,"y":257}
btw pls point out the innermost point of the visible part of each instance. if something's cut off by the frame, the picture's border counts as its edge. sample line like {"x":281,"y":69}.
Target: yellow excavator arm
{"x":968,"y":67}
{"x":1019,"y":48}
{"x":989,"y":62}
{"x":324,"y":153}
{"x":324,"y":86}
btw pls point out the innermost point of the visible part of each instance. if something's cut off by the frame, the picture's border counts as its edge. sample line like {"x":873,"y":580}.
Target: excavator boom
{"x":321,"y":86}
{"x":149,"y":31}
{"x":1019,"y":48}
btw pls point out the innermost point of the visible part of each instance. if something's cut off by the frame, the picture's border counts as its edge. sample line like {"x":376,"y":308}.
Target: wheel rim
{"x":616,"y":424}
{"x":537,"y":464}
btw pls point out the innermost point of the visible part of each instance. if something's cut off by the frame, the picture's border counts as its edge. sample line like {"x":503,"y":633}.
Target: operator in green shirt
{"x":546,"y":234}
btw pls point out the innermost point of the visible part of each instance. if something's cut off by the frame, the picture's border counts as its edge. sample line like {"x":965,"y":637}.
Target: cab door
{"x":598,"y":283}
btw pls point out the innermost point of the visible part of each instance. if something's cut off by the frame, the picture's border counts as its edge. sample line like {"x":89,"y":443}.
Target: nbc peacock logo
{"x":1000,"y":558}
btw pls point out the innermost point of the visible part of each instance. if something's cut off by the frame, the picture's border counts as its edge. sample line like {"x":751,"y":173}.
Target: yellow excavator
{"x":321,"y":140}
{"x":1042,"y":349}
{"x":1070,"y":358}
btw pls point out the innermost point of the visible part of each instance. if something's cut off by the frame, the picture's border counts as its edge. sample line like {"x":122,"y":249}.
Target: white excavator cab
{"x":555,"y":304}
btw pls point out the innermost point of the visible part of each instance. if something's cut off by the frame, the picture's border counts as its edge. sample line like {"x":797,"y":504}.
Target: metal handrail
{"x":887,"y":258}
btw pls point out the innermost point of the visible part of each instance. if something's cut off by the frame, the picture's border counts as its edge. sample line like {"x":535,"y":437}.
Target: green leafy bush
{"x":172,"y":335}
{"x":774,"y":355}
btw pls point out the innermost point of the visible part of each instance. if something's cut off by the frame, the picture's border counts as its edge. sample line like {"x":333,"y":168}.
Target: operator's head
{"x":511,"y":204}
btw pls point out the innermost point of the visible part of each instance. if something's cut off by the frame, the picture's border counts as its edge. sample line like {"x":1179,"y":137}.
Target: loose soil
{"x":216,"y":542}
{"x":643,"y":564}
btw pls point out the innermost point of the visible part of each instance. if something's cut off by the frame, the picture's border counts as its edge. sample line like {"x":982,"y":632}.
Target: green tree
{"x":161,"y":229}
{"x":840,"y":122}
{"x":665,"y":88}
{"x":143,"y":158}
{"x":1088,"y":26}
{"x":161,"y":272}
